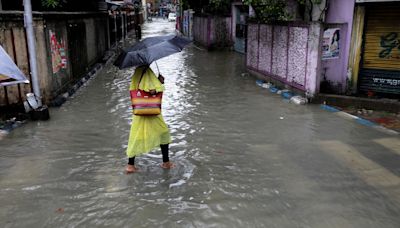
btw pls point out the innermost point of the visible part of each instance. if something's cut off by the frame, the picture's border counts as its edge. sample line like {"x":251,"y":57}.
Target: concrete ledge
{"x":358,"y":120}
{"x":277,"y":83}
{"x":386,"y":105}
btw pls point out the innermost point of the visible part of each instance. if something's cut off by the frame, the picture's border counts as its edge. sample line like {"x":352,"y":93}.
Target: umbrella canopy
{"x":150,"y":49}
{"x":10,"y":74}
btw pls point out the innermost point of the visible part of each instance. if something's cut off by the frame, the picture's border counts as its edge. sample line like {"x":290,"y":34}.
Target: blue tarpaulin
{"x":10,"y":74}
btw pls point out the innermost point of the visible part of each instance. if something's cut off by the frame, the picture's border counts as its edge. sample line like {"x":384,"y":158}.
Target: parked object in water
{"x":31,"y":102}
{"x":35,"y":111}
{"x":171,"y":17}
{"x":299,"y":100}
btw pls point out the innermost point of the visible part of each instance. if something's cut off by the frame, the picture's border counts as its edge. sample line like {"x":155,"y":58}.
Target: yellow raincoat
{"x":147,"y":132}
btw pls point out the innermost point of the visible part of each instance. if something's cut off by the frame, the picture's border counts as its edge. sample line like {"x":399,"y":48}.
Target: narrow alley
{"x":244,"y":157}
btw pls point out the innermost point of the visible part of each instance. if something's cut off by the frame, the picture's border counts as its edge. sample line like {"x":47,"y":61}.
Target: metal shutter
{"x":381,"y":58}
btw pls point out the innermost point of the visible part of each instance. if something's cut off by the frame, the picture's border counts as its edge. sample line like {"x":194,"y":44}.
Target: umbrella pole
{"x":158,"y":69}
{"x":32,"y":50}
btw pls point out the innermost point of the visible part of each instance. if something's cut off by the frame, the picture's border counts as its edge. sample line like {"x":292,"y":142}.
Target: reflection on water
{"x":238,"y":163}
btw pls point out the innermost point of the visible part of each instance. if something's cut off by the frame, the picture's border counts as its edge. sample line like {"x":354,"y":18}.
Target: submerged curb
{"x":284,"y":93}
{"x":359,"y":120}
{"x":62,"y":98}
{"x":10,"y":125}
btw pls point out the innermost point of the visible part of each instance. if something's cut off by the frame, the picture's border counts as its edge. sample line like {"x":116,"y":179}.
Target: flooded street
{"x":244,"y":157}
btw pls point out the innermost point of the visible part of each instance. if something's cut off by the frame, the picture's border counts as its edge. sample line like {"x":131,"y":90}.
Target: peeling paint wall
{"x":59,"y":50}
{"x":289,"y":53}
{"x":13,"y":40}
{"x":340,"y":14}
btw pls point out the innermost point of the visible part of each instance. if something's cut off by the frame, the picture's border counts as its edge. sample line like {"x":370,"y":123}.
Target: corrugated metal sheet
{"x":381,"y":58}
{"x":382,"y":38}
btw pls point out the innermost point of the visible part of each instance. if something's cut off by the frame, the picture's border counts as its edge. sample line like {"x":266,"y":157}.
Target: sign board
{"x":331,"y":44}
{"x":381,"y":81}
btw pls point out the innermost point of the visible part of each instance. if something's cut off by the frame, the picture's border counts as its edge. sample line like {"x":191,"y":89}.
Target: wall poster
{"x":331,"y":43}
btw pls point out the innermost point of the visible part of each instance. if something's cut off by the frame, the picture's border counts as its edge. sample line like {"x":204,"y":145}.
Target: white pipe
{"x":32,"y":50}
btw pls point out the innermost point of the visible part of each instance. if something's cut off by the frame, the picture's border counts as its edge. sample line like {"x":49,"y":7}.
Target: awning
{"x":10,"y":74}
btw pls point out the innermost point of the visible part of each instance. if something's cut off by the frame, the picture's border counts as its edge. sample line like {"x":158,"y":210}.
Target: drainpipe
{"x":32,"y":50}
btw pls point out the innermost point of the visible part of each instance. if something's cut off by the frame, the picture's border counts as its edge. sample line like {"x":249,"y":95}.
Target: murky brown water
{"x":245,"y":158}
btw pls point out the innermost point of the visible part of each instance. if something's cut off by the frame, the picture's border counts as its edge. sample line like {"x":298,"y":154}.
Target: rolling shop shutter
{"x":381,"y":58}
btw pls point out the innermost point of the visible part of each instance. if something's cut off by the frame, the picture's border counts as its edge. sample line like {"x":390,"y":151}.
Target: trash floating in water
{"x":287,"y":95}
{"x":259,"y":82}
{"x":281,"y":118}
{"x":245,"y":74}
{"x":273,"y":89}
{"x":299,"y":100}
{"x":266,"y":85}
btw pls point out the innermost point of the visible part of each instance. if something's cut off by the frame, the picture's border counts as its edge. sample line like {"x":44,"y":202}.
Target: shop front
{"x":379,"y":72}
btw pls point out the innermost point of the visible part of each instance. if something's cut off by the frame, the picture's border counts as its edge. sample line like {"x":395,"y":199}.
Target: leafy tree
{"x":51,"y":3}
{"x":214,"y":7}
{"x":269,"y":10}
{"x":219,"y":7}
{"x":275,"y":10}
{"x":309,"y":5}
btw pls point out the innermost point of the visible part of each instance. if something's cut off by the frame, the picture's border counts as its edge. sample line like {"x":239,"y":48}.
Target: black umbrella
{"x":150,"y":49}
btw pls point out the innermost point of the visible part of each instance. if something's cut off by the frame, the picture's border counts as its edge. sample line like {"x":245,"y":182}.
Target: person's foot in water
{"x":131,"y":169}
{"x":167,"y":165}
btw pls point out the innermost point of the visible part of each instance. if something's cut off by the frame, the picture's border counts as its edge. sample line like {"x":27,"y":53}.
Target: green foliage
{"x":50,"y":3}
{"x":219,"y":7}
{"x":214,"y":7}
{"x":269,"y":10}
{"x":275,"y":10}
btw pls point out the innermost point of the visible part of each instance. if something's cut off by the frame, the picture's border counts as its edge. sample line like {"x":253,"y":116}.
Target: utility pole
{"x":42,"y":111}
{"x":32,"y":50}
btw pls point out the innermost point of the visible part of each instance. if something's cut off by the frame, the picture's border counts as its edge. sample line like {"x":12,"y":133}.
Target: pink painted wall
{"x":340,"y":12}
{"x":288,"y":53}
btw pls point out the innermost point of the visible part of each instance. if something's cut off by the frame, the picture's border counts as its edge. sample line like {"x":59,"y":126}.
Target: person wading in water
{"x":147,"y":131}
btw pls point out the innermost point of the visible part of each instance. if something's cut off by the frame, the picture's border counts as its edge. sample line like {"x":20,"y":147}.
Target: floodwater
{"x":244,"y":158}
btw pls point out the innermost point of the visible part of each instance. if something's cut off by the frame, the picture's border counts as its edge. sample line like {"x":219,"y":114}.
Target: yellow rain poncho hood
{"x":148,"y":82}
